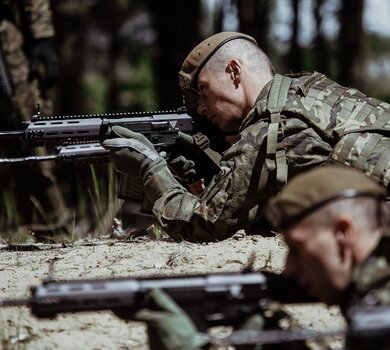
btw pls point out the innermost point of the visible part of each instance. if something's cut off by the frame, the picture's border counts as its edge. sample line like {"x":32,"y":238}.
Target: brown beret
{"x":312,"y":189}
{"x":199,"y":56}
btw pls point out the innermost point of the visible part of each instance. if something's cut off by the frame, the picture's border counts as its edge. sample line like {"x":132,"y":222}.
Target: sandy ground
{"x":109,"y":258}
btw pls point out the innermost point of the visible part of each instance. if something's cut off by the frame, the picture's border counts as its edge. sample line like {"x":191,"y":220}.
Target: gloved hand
{"x":44,"y":53}
{"x":132,"y":153}
{"x":169,"y":327}
{"x":183,"y":168}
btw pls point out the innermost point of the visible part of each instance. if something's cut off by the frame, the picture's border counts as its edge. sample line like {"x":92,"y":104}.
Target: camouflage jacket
{"x":34,"y":15}
{"x":277,"y":140}
{"x":370,"y":283}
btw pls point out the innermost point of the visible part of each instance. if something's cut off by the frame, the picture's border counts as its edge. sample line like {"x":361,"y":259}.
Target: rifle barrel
{"x":14,"y":302}
{"x":29,"y":159}
{"x":12,"y":134}
{"x":278,"y":336}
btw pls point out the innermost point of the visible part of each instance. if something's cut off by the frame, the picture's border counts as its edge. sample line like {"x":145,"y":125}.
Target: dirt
{"x":144,"y":256}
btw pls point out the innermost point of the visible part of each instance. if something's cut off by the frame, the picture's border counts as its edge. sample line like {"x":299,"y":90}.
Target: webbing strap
{"x":203,"y":143}
{"x":381,"y":165}
{"x":346,"y":110}
{"x":374,"y":139}
{"x":363,"y":129}
{"x":337,"y":92}
{"x":308,"y":82}
{"x":360,"y":163}
{"x":276,"y":154}
{"x":278,"y":93}
{"x":314,"y":92}
{"x":281,"y":167}
{"x":350,"y":140}
{"x":362,"y":113}
{"x":382,"y":120}
{"x":258,"y":182}
{"x":272,"y":141}
{"x":326,"y":107}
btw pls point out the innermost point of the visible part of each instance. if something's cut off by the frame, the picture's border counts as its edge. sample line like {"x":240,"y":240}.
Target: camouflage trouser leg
{"x":24,"y":100}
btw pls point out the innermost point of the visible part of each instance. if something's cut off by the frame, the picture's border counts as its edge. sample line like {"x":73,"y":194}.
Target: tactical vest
{"x":356,"y":126}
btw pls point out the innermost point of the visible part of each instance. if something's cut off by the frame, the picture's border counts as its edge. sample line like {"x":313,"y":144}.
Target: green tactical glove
{"x":169,"y":327}
{"x":132,"y":153}
{"x":183,"y":168}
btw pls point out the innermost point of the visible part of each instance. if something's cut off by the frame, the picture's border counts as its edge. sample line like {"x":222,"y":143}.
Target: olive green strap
{"x":258,"y":181}
{"x":361,"y":162}
{"x":330,"y":101}
{"x":203,"y":143}
{"x":308,"y":81}
{"x":380,"y":166}
{"x":378,"y":127}
{"x":276,"y":154}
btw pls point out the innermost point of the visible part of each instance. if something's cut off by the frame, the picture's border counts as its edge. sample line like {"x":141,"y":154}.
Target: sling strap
{"x":202,"y":142}
{"x":276,"y":154}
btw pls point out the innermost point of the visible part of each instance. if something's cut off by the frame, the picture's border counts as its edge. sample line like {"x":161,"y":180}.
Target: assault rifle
{"x":209,"y":300}
{"x":160,"y":127}
{"x":368,"y":328}
{"x":6,"y":87}
{"x":73,"y":133}
{"x":74,"y":154}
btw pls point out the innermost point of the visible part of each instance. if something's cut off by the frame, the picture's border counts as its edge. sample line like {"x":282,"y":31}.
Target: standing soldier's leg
{"x":26,"y":95}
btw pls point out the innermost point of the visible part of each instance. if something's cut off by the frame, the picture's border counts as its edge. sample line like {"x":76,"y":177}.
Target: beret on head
{"x":312,"y":189}
{"x":198,"y":57}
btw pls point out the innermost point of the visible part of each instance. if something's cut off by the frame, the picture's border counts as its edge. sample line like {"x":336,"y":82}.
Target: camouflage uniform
{"x":26,"y":91}
{"x":26,"y":94}
{"x":314,"y":119}
{"x":370,"y":283}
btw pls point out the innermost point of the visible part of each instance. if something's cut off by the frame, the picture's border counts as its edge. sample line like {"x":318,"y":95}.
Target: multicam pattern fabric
{"x":41,"y":18}
{"x":316,"y":119}
{"x":370,"y":285}
{"x":371,"y":281}
{"x":355,"y":125}
{"x":26,"y":94}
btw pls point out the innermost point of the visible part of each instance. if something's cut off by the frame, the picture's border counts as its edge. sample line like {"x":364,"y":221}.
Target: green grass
{"x":95,"y":191}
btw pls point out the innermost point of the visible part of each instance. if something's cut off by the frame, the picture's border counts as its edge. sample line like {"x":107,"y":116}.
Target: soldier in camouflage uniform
{"x":336,"y":223}
{"x":280,"y":125}
{"x":26,"y":39}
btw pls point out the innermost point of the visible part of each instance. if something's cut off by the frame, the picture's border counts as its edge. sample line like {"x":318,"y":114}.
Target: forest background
{"x":124,"y":56}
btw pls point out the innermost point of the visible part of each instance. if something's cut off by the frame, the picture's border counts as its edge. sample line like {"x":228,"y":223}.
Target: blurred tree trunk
{"x":254,"y":17}
{"x":70,"y":97}
{"x":351,"y":43}
{"x":320,"y":48}
{"x":176,"y":23}
{"x":294,"y":57}
{"x":110,"y":16}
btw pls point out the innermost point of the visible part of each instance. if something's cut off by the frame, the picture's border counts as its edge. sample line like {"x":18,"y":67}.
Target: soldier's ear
{"x":234,"y":68}
{"x":344,"y":236}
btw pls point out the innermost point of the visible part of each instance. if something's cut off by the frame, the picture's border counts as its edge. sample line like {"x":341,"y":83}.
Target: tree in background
{"x":255,"y":20}
{"x":320,"y":47}
{"x":351,"y":43}
{"x":69,"y":15}
{"x":295,"y":53}
{"x":177,"y":27}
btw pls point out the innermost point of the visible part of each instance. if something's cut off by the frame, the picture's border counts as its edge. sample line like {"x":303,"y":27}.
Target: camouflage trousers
{"x":20,"y":107}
